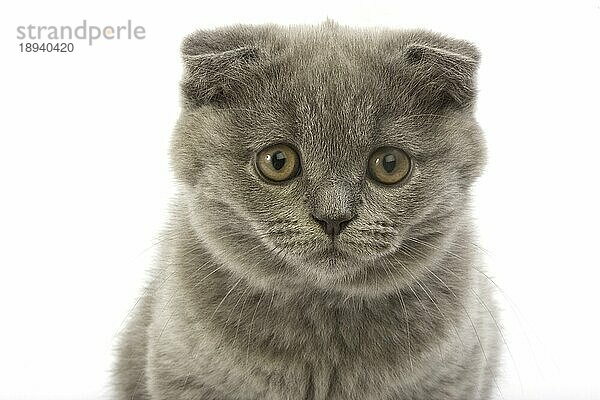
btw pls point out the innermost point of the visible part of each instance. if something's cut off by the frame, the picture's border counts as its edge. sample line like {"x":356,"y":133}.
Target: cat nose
{"x":333,"y":226}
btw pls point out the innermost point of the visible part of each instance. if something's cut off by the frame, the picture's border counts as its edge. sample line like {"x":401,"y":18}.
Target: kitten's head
{"x":327,"y":156}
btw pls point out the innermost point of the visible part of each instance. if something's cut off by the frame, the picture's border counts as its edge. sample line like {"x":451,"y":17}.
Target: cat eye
{"x":278,"y":163}
{"x":389,"y":165}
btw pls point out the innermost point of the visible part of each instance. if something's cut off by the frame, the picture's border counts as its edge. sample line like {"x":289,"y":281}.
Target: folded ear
{"x":218,"y":65}
{"x":445,"y":76}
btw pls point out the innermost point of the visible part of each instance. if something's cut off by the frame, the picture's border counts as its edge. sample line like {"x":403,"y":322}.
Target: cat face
{"x":331,"y":158}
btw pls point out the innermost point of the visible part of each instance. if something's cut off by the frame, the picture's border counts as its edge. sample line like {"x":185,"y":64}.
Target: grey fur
{"x":249,"y":301}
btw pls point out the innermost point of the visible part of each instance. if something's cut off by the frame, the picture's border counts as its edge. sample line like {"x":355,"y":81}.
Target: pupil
{"x":278,"y":160}
{"x":389,"y":163}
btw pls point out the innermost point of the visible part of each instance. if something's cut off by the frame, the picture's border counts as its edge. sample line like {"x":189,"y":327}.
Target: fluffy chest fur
{"x":228,"y":340}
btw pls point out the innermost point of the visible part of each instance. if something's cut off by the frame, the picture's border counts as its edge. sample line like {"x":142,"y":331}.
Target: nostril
{"x":321,"y":222}
{"x":344,"y":223}
{"x":331,"y":226}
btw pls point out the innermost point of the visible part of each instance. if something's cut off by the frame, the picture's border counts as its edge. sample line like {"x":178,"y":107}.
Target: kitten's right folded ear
{"x":443,"y":75}
{"x":218,"y":65}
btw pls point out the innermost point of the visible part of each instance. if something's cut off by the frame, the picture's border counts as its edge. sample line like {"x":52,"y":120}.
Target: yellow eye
{"x":278,"y":163}
{"x":389,"y":165}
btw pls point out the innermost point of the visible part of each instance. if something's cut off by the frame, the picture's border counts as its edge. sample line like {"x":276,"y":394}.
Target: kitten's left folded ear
{"x":445,"y":75}
{"x":218,"y":65}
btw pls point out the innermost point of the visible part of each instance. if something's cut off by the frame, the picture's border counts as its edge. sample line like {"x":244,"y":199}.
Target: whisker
{"x":497,"y":287}
{"x":473,"y":326}
{"x":427,"y":293}
{"x":251,"y":325}
{"x":224,"y":297}
{"x":140,"y":375}
{"x":399,"y":293}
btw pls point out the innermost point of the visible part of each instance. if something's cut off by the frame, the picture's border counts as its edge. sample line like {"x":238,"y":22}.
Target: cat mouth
{"x":331,"y":264}
{"x":331,"y":252}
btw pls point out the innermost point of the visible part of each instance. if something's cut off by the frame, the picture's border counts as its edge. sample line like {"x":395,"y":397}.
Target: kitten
{"x":321,"y":245}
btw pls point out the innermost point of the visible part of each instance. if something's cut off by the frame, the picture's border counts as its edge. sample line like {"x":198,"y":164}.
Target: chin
{"x":330,"y":265}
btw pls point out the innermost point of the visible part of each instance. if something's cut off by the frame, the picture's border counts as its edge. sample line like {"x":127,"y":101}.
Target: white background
{"x":85,"y":178}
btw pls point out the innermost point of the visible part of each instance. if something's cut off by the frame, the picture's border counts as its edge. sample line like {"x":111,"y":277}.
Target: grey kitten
{"x":320,"y":247}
